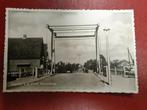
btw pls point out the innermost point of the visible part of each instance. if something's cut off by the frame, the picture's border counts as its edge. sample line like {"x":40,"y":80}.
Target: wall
{"x":13,"y":63}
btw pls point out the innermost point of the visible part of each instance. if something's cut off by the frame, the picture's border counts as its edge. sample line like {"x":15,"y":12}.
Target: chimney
{"x":24,"y":36}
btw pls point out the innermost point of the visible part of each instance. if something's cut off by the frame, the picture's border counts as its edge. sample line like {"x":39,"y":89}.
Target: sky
{"x":77,"y":50}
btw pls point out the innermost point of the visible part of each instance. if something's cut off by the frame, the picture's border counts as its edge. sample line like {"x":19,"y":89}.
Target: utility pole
{"x":96,"y":49}
{"x":108,"y":54}
{"x":54,"y":54}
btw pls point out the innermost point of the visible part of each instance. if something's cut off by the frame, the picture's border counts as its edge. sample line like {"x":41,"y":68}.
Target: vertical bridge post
{"x":98,"y":67}
{"x":52,"y":35}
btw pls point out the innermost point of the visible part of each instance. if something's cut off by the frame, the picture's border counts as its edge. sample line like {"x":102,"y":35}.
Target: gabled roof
{"x":123,"y":63}
{"x":29,"y":48}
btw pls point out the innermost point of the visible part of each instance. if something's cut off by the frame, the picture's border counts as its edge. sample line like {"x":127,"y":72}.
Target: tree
{"x":91,"y":64}
{"x":61,"y":67}
{"x":114,"y":63}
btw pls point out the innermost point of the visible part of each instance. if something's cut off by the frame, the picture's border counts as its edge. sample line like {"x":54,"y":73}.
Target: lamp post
{"x":106,"y":30}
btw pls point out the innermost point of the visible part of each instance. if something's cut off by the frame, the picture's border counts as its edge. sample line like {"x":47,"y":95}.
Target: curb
{"x":26,"y":83}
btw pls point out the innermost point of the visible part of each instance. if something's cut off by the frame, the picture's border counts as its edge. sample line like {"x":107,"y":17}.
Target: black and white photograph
{"x":53,"y":50}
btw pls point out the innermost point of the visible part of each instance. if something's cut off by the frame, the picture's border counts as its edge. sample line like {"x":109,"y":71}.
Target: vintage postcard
{"x":48,"y":50}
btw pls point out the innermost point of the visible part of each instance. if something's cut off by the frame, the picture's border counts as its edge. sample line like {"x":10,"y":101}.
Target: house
{"x":123,"y":63}
{"x":128,"y":69}
{"x":26,"y":55}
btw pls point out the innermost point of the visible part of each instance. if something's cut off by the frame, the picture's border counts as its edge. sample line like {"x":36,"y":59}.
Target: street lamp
{"x":106,"y":30}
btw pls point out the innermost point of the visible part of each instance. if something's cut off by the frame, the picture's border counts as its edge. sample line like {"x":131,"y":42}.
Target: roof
{"x":123,"y":63}
{"x":29,"y":48}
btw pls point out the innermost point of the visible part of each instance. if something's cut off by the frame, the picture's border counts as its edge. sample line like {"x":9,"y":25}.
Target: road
{"x":65,"y":82}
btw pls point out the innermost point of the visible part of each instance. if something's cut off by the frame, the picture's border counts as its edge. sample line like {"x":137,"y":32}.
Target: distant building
{"x":127,"y":68}
{"x":26,"y":55}
{"x":123,"y":63}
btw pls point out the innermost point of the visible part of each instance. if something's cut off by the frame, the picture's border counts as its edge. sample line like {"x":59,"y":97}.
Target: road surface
{"x":66,"y":82}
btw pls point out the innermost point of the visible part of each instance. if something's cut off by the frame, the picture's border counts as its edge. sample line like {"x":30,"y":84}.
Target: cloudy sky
{"x":121,"y":34}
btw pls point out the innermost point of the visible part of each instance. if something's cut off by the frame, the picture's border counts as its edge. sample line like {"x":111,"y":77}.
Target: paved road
{"x":66,"y":81}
